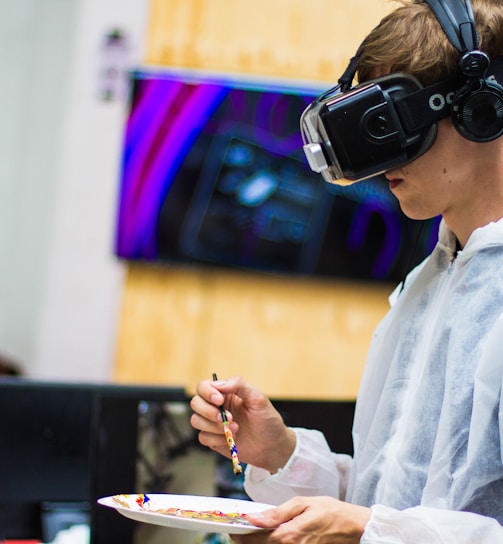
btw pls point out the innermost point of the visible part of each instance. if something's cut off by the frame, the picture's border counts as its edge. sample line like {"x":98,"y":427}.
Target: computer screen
{"x":213,"y":174}
{"x":63,"y":445}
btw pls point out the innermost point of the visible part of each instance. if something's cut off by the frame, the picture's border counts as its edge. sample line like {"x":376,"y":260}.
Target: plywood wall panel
{"x":294,"y":338}
{"x":288,"y":38}
{"x":162,"y":325}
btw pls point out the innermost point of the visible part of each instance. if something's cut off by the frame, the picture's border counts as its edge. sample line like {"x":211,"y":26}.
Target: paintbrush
{"x":236,"y":467}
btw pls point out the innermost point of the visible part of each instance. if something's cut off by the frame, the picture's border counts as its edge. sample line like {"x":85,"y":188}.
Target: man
{"x":428,"y":462}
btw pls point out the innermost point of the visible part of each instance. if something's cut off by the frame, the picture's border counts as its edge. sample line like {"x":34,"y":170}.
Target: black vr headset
{"x":353,"y":133}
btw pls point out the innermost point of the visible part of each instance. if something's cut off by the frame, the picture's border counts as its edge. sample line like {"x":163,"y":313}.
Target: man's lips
{"x":393,"y":181}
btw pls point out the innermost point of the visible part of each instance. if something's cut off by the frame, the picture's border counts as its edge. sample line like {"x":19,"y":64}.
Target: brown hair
{"x":411,"y":40}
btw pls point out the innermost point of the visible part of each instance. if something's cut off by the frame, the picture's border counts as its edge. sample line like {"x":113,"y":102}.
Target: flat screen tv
{"x":213,"y":174}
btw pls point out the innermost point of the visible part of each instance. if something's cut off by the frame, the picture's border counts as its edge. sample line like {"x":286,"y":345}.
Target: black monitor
{"x":63,"y":445}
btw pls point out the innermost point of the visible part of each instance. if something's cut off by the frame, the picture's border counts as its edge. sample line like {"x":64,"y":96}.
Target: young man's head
{"x":457,"y":177}
{"x":432,"y":121}
{"x":411,"y":40}
{"x":423,"y":82}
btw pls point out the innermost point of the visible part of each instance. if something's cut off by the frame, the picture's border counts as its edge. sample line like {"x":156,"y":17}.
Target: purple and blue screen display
{"x":213,"y":173}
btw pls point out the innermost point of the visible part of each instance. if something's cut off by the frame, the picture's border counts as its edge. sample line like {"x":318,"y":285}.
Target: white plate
{"x":187,"y":502}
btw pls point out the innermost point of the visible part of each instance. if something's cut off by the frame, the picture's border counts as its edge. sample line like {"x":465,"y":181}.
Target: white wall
{"x":60,"y":284}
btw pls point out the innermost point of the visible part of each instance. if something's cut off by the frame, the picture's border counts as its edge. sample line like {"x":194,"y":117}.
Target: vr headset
{"x":354,"y":133}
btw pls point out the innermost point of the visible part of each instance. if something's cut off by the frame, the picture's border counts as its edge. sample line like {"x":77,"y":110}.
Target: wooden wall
{"x":291,"y":338}
{"x":302,"y":39}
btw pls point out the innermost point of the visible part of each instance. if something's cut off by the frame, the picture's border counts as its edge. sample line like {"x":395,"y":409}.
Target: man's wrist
{"x":281,"y":456}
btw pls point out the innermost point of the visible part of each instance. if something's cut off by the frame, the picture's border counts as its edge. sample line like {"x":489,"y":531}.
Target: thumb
{"x":267,"y":519}
{"x":242,"y":389}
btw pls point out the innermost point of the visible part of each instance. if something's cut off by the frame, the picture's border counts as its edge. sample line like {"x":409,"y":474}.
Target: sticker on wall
{"x":114,"y":63}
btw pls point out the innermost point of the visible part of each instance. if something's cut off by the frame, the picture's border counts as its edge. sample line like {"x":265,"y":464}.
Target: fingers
{"x":336,"y":521}
{"x":207,"y":390}
{"x":266,"y":520}
{"x":215,"y":442}
{"x":205,"y":409}
{"x":206,"y":417}
{"x":211,"y":434}
{"x":241,"y":389}
{"x":215,"y":392}
{"x":234,"y":393}
{"x":274,"y":517}
{"x":255,"y":423}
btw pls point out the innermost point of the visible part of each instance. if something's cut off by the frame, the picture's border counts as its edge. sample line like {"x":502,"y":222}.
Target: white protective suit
{"x":429,"y":419}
